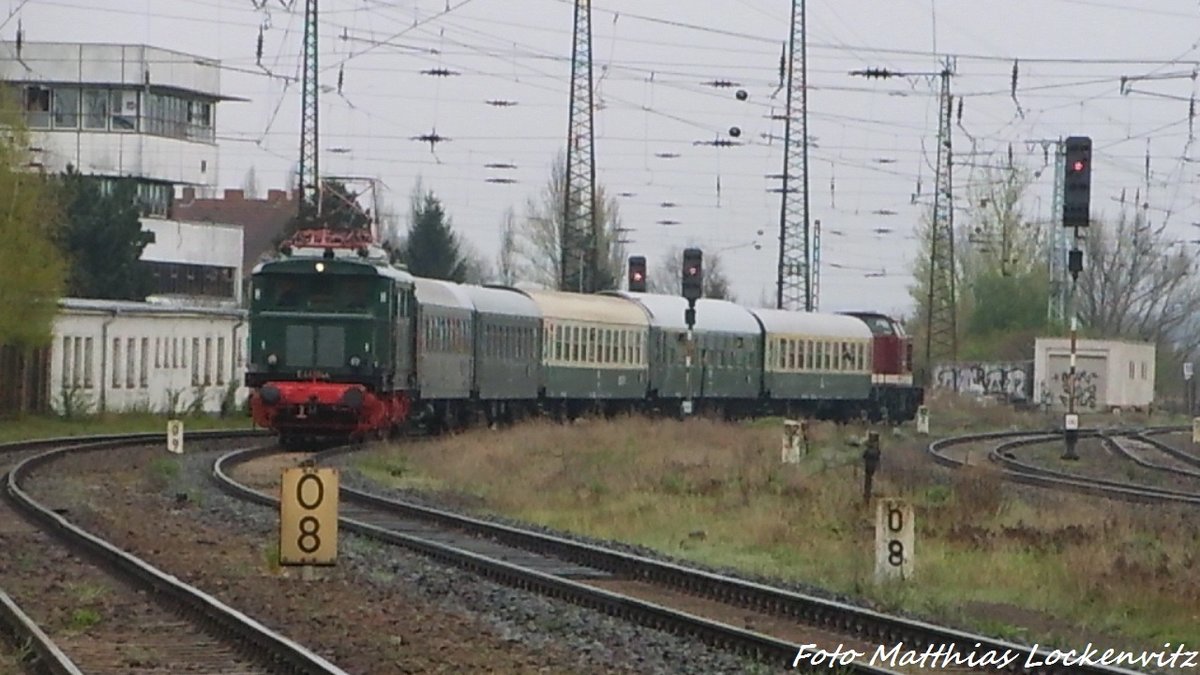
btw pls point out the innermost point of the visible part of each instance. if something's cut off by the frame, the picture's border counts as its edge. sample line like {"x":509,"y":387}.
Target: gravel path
{"x":381,"y":609}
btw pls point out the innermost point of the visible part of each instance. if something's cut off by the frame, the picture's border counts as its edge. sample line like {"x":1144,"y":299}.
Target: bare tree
{"x":250,"y":184}
{"x":539,"y":241}
{"x":1136,"y":283}
{"x":667,"y":276}
{"x":507,"y":268}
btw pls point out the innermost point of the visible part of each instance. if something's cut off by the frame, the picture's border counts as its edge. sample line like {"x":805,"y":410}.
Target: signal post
{"x":1077,"y":190}
{"x":693,"y":290}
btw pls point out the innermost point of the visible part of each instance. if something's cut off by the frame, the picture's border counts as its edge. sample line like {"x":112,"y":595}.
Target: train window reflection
{"x":322,"y":294}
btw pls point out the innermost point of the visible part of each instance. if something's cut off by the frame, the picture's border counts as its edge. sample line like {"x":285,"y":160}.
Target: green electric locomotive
{"x":331,"y":339}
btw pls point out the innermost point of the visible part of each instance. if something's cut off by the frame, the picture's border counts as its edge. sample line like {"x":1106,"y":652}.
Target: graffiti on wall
{"x":1012,"y":381}
{"x":1087,"y":389}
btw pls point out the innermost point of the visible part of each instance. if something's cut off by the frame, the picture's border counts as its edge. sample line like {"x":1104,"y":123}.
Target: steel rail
{"x":264,"y":644}
{"x":816,"y":612}
{"x":1023,"y":472}
{"x":48,"y":657}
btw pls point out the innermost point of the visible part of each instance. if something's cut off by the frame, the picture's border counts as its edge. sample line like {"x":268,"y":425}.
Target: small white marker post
{"x":894,"y":538}
{"x":1196,"y":429}
{"x":923,"y":420}
{"x":175,"y":436}
{"x":791,"y":442}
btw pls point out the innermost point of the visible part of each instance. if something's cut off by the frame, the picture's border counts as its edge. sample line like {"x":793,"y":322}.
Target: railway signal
{"x":693,"y":274}
{"x":637,"y":274}
{"x":1077,"y":181}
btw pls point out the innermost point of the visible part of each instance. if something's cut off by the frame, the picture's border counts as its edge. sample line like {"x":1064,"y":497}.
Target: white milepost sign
{"x":792,"y":438}
{"x":1071,"y":422}
{"x":175,"y":436}
{"x":894,"y":534}
{"x":1187,"y":370}
{"x":308,"y":516}
{"x":1196,"y":429}
{"x":923,"y":419}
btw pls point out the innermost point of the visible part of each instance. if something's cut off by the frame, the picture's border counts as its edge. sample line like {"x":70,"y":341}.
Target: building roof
{"x":147,"y":308}
{"x":262,"y":220}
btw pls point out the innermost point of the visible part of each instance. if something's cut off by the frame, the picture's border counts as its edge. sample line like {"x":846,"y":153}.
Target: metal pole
{"x":1071,"y":435}
{"x":687,"y":407}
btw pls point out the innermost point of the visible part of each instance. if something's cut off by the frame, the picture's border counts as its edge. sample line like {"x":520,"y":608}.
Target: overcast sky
{"x":873,"y":139}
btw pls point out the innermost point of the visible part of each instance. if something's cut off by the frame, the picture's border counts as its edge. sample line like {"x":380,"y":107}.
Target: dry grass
{"x":1066,"y":567}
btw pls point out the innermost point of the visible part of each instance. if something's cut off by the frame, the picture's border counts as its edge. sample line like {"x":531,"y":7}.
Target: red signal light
{"x":691,"y":271}
{"x":637,"y":276}
{"x":1078,"y":165}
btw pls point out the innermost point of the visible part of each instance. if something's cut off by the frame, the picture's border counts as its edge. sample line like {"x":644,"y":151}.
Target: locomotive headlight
{"x":355,"y":361}
{"x":272,"y":360}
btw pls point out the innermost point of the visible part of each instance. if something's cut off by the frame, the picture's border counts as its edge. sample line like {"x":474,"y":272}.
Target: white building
{"x":132,"y":356}
{"x":1108,"y":373}
{"x":140,"y":113}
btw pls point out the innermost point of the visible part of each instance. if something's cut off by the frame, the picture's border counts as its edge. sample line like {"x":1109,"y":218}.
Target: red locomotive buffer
{"x":300,"y":408}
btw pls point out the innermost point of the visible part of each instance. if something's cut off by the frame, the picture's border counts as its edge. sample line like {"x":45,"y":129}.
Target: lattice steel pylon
{"x":794,"y":285}
{"x":578,"y":263}
{"x":941,"y":326}
{"x":1059,"y":279}
{"x":310,"y":176}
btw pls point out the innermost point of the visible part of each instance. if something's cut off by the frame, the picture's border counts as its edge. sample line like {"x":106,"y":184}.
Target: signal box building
{"x":141,"y":113}
{"x":1109,"y":374}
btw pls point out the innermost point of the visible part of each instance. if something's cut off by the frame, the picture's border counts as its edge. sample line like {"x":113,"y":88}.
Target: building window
{"x":37,"y":107}
{"x":195,"y":362}
{"x":208,"y":354}
{"x":67,"y":355}
{"x":95,"y":109}
{"x":124,"y":109}
{"x":116,"y":363}
{"x":144,"y":375}
{"x":66,"y":108}
{"x":220,"y":360}
{"x":87,"y":363}
{"x":184,"y":279}
{"x":131,"y":354}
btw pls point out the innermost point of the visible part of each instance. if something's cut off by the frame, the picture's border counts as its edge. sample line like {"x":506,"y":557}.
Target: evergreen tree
{"x":31,"y":268}
{"x":431,"y":249}
{"x":102,"y":238}
{"x":340,"y":210}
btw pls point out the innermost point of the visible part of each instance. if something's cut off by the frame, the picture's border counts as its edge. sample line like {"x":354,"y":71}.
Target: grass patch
{"x":33,"y":427}
{"x":161,"y":472}
{"x":1003,"y":561}
{"x":84,"y":618}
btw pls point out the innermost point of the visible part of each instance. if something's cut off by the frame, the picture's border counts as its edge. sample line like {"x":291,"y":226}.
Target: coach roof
{"x":502,"y":300}
{"x":717,"y":316}
{"x":443,"y":294}
{"x":781,"y":322}
{"x":590,"y":308}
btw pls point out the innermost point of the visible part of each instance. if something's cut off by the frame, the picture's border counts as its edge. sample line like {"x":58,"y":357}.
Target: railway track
{"x":639,"y":589}
{"x":1003,"y":455}
{"x":161,"y":625}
